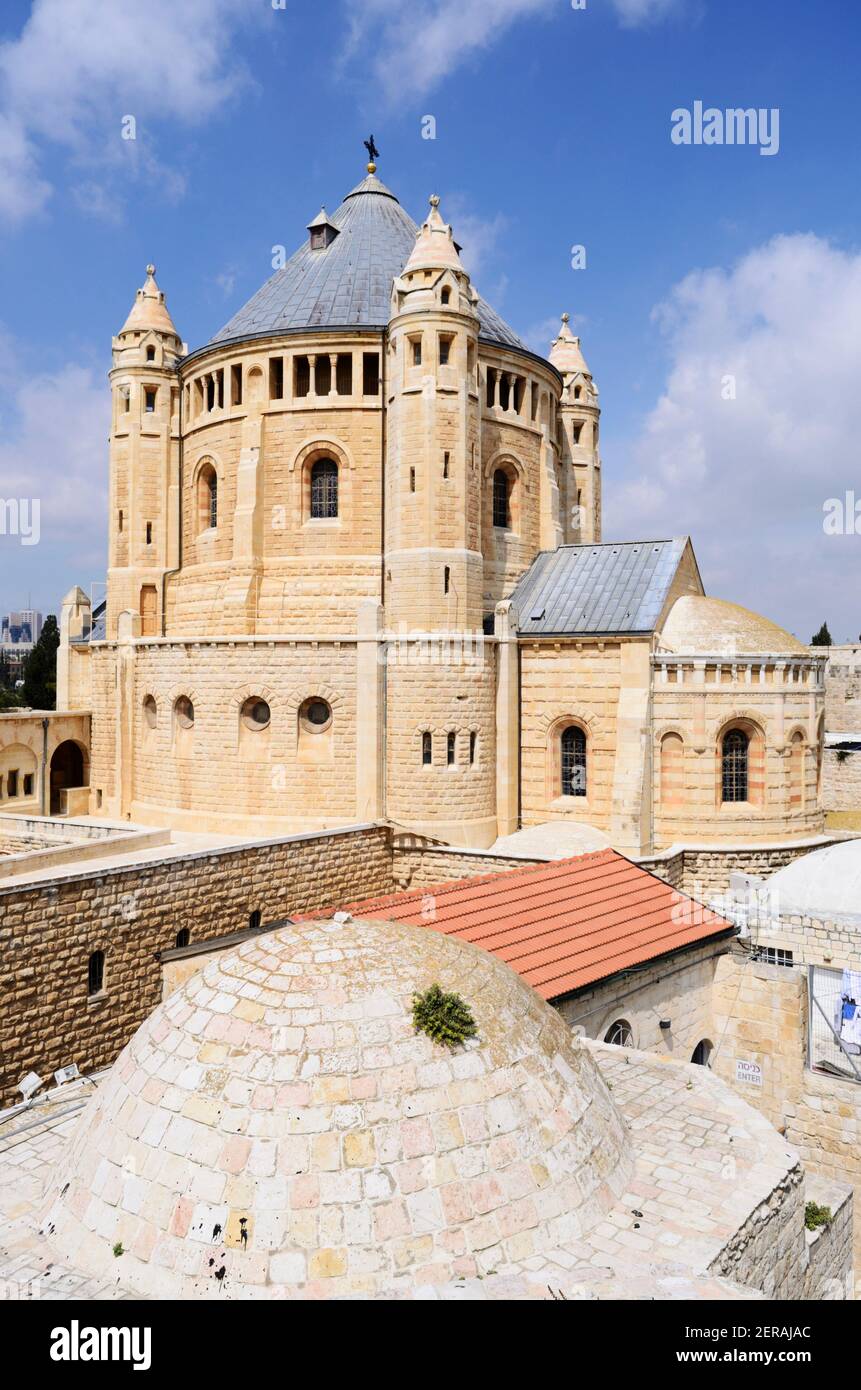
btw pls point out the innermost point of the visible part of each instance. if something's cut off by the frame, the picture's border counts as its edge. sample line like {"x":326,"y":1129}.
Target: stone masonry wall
{"x":842,"y":690}
{"x":768,"y":1252}
{"x":700,"y":872}
{"x":841,"y":780}
{"x":761,"y":1017}
{"x":678,"y":990}
{"x":49,"y":930}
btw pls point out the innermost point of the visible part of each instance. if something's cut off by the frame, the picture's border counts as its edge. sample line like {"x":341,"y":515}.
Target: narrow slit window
{"x":344,"y":374}
{"x":446,"y":458}
{"x":149,"y":399}
{"x":451,"y":745}
{"x":149,"y":533}
{"x":445,"y":345}
{"x":446,"y":579}
{"x":501,"y":508}
{"x":236,"y":384}
{"x":412,"y":480}
{"x":473,"y":744}
{"x":416,"y":344}
{"x":96,"y":973}
{"x":301,"y":377}
{"x":427,"y":749}
{"x":370,"y":374}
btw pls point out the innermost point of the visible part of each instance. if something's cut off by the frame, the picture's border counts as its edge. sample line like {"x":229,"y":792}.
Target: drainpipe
{"x":45,"y":774}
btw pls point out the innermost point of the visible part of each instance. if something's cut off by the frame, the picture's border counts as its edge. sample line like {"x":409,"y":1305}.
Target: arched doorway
{"x":67,"y":770}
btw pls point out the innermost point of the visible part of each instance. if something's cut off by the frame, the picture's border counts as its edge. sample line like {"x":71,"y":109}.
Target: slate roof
{"x":618,"y":587}
{"x":561,"y":926}
{"x":349,"y":284}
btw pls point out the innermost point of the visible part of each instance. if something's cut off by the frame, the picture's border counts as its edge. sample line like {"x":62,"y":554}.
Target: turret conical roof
{"x":149,"y":310}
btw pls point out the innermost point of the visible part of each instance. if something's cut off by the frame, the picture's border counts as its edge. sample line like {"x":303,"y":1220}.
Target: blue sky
{"x":704,"y":263}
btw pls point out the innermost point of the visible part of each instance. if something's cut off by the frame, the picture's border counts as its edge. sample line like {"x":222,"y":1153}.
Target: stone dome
{"x":825,"y":884}
{"x":277,"y":1129}
{"x":713,"y":626}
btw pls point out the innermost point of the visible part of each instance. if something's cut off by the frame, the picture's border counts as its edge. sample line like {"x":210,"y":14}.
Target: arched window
{"x":324,"y":489}
{"x":701,"y":1053}
{"x":734,"y":766}
{"x":184,"y":712}
{"x":621,"y":1033}
{"x":183,"y":937}
{"x":451,"y":746}
{"x":207,"y":498}
{"x":501,"y":498}
{"x":96,"y":973}
{"x":427,"y":748}
{"x":573,"y":757}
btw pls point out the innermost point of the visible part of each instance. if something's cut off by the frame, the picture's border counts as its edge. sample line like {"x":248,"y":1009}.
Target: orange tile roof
{"x":560,"y":925}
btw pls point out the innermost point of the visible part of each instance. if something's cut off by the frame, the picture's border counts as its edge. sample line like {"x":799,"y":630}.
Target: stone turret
{"x":144,"y":459}
{"x":441,"y":733}
{"x":433,"y":504}
{"x":581,"y":461}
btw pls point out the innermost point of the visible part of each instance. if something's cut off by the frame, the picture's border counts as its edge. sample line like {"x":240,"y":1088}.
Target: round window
{"x":184,"y":712}
{"x":150,"y":709}
{"x":316,"y":715}
{"x":256,"y":714}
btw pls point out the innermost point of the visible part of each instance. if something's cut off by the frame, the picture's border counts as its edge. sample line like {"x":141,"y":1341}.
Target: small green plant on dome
{"x":446,"y":1018}
{"x":816,"y":1216}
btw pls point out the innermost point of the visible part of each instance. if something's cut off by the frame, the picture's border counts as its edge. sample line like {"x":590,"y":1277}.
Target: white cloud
{"x":410,"y":46}
{"x":79,"y":66}
{"x":479,"y":237}
{"x":748,"y":477}
{"x":417,"y":43}
{"x":53,"y":447}
{"x":636,"y":13}
{"x":22,"y":191}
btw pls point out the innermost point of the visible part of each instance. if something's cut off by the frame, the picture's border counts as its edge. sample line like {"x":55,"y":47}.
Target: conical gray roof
{"x":349,"y":284}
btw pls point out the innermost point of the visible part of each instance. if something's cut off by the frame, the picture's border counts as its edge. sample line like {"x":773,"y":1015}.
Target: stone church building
{"x":356,"y":573}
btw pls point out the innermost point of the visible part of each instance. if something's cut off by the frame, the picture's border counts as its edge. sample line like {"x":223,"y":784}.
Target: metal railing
{"x":830,"y":1047}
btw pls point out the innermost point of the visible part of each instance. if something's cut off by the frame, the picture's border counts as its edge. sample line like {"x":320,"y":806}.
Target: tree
{"x":40,"y":669}
{"x":822,"y":638}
